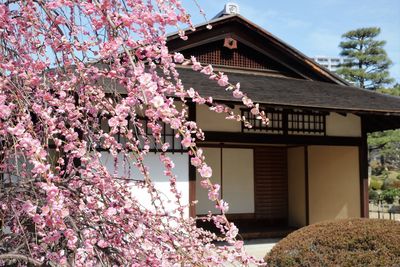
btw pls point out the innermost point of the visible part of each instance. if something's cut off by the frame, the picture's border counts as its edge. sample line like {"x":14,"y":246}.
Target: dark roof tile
{"x":294,"y":93}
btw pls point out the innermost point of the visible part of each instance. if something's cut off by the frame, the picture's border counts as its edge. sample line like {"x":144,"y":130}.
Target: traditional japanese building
{"x":309,"y":164}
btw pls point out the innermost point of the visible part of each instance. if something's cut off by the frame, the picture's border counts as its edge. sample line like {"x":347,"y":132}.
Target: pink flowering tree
{"x":67,"y":69}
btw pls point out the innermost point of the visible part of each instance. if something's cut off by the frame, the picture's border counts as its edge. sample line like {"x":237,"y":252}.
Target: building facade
{"x":309,"y":164}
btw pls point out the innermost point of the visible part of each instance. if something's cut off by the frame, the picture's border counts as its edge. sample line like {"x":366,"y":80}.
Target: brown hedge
{"x":350,"y":242}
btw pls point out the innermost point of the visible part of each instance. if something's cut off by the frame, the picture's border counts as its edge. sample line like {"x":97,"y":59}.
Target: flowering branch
{"x":77,"y":77}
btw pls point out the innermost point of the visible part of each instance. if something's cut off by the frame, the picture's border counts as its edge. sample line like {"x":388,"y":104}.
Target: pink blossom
{"x":191,"y":92}
{"x":18,"y":130}
{"x":223,"y":80}
{"x":147,"y":245}
{"x":110,"y":212}
{"x":205,"y":183}
{"x":195,"y":161}
{"x":208,"y":70}
{"x":178,"y":58}
{"x":197,"y":66}
{"x":232,"y":232}
{"x":29,"y":208}
{"x":175,"y":123}
{"x":40,"y":168}
{"x":247,"y":101}
{"x":205,"y":171}
{"x":213,"y":193}
{"x":81,"y":125}
{"x":102,"y":243}
{"x":157,"y":101}
{"x":187,"y":141}
{"x":138,"y":231}
{"x":255,"y":110}
{"x":237,"y":93}
{"x":222,"y":206}
{"x":165,"y":147}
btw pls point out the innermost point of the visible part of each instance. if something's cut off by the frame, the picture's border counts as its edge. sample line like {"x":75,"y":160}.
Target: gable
{"x":249,"y":34}
{"x":241,"y":56}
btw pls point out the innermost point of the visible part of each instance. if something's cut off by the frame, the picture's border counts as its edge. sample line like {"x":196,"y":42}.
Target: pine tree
{"x":366,"y":63}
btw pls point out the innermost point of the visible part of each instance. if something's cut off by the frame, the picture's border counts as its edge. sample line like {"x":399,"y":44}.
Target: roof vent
{"x":231,"y":9}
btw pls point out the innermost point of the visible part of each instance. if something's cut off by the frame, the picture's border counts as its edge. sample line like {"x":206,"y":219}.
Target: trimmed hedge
{"x":350,"y":242}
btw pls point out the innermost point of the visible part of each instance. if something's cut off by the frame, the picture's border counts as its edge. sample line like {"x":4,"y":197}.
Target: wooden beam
{"x":254,"y":138}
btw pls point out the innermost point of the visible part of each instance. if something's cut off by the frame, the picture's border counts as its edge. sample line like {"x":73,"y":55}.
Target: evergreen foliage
{"x":366,"y":62}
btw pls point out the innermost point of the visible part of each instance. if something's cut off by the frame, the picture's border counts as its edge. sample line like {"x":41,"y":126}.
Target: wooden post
{"x":363,"y":166}
{"x":192,"y":169}
{"x":306,"y":166}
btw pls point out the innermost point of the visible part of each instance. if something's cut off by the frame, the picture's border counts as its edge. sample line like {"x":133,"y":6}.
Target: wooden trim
{"x":380,"y":117}
{"x":306,"y":186}
{"x":254,"y":138}
{"x":192,"y":169}
{"x":235,"y":216}
{"x":363,"y":170}
{"x":240,"y":216}
{"x":272,"y":56}
{"x":221,"y":172}
{"x":192,"y":197}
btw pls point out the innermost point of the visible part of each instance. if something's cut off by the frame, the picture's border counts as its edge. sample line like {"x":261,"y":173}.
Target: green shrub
{"x":390,"y":195}
{"x":376,"y":183}
{"x":373,"y":195}
{"x":350,"y":242}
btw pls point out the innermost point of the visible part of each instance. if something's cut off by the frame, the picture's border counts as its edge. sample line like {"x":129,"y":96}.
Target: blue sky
{"x":315,"y":26}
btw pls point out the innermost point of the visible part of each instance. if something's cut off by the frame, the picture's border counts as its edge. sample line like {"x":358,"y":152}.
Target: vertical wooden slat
{"x":271,"y":184}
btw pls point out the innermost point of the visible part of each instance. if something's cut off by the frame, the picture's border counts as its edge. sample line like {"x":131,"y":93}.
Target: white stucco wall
{"x":339,"y":125}
{"x":238,"y":179}
{"x":156,"y":170}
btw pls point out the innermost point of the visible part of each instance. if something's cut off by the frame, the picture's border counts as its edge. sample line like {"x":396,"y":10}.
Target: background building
{"x":331,"y":63}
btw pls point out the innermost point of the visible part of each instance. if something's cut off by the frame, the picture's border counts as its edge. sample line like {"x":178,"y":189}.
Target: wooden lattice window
{"x":243,"y":57}
{"x":302,"y":122}
{"x":287,"y":122}
{"x":275,"y":125}
{"x":167,"y":135}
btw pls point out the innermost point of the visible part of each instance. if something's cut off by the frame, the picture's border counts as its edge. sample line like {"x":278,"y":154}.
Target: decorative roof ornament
{"x":229,"y":9}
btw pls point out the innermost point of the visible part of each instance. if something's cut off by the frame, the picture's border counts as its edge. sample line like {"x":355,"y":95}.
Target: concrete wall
{"x":156,"y":169}
{"x":211,"y":121}
{"x":334,"y":189}
{"x":237,"y":180}
{"x":339,"y":125}
{"x":296,"y":187}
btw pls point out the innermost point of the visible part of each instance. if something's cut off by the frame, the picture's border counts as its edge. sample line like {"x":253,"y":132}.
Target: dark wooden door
{"x":271,"y":185}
